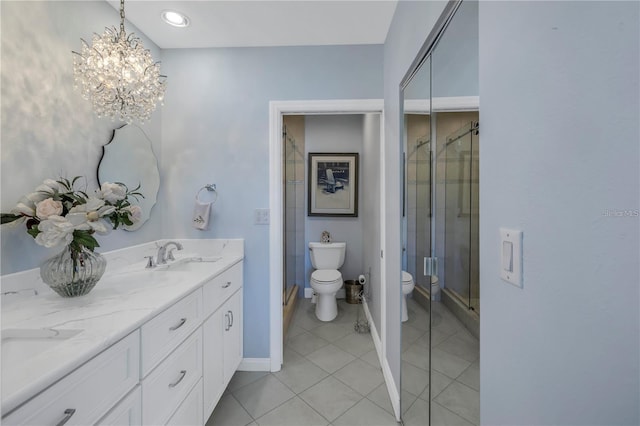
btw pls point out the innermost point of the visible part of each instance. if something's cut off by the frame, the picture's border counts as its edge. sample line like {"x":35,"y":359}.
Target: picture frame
{"x":333,"y":184}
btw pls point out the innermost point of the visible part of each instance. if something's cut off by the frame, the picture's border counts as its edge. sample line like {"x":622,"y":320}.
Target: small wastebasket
{"x":352,"y":289}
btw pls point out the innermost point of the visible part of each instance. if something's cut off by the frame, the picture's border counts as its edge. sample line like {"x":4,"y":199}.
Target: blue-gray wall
{"x":215,"y":128}
{"x":559,"y":96}
{"x":47,"y":129}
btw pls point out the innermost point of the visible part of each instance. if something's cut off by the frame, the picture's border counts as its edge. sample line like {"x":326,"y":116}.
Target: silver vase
{"x":73,"y":273}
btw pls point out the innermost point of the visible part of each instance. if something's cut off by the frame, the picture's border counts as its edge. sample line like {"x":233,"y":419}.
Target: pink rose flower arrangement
{"x":57,"y":213}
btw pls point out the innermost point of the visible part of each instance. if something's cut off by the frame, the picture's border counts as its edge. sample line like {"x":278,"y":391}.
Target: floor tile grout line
{"x":243,"y":408}
{"x":447,"y":387}
{"x":457,"y":414}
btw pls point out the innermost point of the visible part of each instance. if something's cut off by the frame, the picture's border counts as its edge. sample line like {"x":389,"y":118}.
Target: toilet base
{"x":405,"y":313}
{"x":326,"y":307}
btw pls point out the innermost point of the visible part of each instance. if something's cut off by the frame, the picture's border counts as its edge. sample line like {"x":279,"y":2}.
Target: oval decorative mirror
{"x":128,"y":158}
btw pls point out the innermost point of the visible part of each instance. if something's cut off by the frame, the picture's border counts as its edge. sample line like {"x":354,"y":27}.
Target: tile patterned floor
{"x":455,"y":376}
{"x":331,"y":376}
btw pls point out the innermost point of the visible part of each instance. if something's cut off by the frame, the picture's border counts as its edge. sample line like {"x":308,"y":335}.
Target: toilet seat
{"x":326,"y":276}
{"x":406,"y":278}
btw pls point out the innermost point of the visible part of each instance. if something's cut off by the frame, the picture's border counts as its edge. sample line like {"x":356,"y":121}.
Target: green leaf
{"x":8,"y":217}
{"x":84,"y":238}
{"x":34,"y":231}
{"x":126,"y":220}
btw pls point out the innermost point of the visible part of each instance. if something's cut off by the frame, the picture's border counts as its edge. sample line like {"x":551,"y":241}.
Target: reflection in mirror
{"x":129,"y":158}
{"x":440,"y":364}
{"x":455,"y":354}
{"x":416,"y":245}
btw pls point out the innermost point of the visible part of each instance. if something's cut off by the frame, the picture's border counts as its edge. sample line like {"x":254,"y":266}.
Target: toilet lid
{"x":406,"y":277}
{"x":326,"y":275}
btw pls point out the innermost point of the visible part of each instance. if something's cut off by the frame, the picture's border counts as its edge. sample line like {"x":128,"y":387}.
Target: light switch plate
{"x":511,"y":256}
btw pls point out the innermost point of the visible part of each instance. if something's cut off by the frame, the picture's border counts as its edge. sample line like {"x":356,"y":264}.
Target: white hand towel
{"x":201,"y":213}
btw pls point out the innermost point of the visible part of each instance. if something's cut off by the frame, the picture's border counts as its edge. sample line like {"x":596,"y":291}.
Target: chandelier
{"x":118,"y":75}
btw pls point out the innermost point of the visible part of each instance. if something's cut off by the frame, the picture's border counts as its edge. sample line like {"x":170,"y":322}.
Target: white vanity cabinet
{"x":85,"y":395}
{"x":232,"y":341}
{"x":162,"y":334}
{"x":222,"y":334}
{"x":164,"y":390}
{"x":128,"y":412}
{"x":171,"y":370}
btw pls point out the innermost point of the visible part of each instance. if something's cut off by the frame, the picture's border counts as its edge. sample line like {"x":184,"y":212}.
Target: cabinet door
{"x":232,"y":322}
{"x":213,"y":367}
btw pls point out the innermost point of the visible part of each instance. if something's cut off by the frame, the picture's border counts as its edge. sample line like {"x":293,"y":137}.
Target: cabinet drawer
{"x":128,"y":412}
{"x":190,"y":411}
{"x":86,"y":394}
{"x":164,"y":332}
{"x":168,"y":385}
{"x":221,"y":287}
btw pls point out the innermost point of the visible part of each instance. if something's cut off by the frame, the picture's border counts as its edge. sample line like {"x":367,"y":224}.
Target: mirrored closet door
{"x":440,"y":335}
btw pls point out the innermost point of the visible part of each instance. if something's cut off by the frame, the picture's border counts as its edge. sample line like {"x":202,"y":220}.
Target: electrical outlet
{"x":262,"y":217}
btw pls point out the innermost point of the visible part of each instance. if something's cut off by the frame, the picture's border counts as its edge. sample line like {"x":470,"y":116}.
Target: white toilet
{"x":435,"y":287}
{"x":326,"y":280}
{"x":407,"y":288}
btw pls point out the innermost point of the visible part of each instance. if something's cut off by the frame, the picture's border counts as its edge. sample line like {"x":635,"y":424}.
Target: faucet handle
{"x":150,"y":262}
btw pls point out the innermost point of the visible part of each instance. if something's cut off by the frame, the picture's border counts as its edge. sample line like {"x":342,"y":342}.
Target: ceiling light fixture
{"x":174,"y":18}
{"x":118,"y":75}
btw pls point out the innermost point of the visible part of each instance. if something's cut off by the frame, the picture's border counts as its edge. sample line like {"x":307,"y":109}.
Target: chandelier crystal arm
{"x":118,"y":75}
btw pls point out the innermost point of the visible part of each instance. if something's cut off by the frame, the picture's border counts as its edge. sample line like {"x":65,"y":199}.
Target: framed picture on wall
{"x":333,"y":184}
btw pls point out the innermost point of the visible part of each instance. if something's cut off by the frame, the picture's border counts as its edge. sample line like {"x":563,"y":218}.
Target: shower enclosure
{"x":294,"y":196}
{"x":461,"y":266}
{"x":418,"y":196}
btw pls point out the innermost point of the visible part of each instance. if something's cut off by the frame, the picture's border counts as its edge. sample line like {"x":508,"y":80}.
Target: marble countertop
{"x":127,"y":296}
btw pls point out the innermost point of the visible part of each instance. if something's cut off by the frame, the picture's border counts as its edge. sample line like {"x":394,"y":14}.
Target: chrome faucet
{"x":162,"y":252}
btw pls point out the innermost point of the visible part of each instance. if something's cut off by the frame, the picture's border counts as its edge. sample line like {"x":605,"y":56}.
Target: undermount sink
{"x":20,"y":344}
{"x":183,"y":263}
{"x":171,"y":265}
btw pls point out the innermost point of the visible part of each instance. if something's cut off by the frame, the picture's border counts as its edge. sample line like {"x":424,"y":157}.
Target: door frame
{"x":276,"y":247}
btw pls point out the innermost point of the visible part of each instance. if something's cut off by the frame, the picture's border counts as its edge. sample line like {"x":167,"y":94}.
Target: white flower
{"x":83,"y":222}
{"x":22,"y":208}
{"x":36,"y":197}
{"x":135,"y":213}
{"x":112,"y":192}
{"x":88,"y":216}
{"x":94,"y":208}
{"x":48,"y":207}
{"x":55,"y":231}
{"x":49,"y":186}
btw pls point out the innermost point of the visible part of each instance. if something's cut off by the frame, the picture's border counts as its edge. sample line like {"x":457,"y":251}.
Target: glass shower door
{"x":419,"y":196}
{"x":461,"y":215}
{"x":293,"y":163}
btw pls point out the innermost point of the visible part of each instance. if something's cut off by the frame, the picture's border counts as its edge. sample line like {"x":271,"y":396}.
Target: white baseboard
{"x":255,"y":364}
{"x":392,"y":389}
{"x":308,"y":292}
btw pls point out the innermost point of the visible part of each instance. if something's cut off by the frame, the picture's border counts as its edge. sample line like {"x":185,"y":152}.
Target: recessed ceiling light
{"x":174,"y":18}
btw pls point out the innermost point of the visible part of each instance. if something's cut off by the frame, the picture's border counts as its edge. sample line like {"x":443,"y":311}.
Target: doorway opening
{"x":278,"y":295}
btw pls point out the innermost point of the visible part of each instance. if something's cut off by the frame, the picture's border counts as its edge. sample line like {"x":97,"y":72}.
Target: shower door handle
{"x":430,"y":266}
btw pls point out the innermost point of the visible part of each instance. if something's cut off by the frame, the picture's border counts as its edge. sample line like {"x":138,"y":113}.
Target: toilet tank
{"x":327,"y":255}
